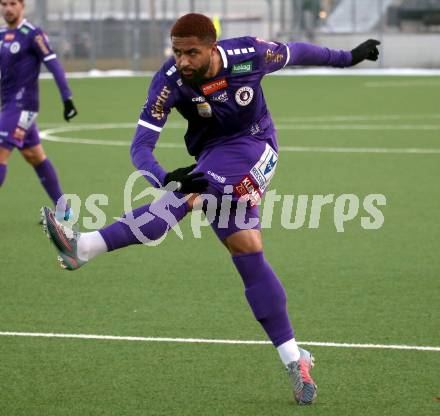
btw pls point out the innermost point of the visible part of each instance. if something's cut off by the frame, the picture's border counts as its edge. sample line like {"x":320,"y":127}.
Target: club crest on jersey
{"x":212,"y":87}
{"x":204,"y":110}
{"x":244,"y":96}
{"x":15,"y":47}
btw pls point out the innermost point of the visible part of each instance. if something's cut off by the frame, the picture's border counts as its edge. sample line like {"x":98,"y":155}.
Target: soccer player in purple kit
{"x":216,"y":87}
{"x":22,"y":49}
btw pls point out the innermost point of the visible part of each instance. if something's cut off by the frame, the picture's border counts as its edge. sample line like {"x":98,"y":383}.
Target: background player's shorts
{"x":243,"y":169}
{"x":18,"y":129}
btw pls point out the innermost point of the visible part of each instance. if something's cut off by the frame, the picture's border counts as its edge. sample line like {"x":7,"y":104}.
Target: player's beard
{"x":198,"y":75}
{"x":10,"y":19}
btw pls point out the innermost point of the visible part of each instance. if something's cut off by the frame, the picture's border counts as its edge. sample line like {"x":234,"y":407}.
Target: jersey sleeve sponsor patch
{"x":41,"y":45}
{"x":273,"y":56}
{"x":39,"y":39}
{"x":157,"y":109}
{"x":159,"y":102}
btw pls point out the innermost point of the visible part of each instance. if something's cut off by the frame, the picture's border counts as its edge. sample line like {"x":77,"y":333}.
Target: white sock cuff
{"x":289,"y":351}
{"x":90,"y":245}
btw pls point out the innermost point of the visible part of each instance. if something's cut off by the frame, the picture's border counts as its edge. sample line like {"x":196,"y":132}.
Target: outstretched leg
{"x":144,"y":224}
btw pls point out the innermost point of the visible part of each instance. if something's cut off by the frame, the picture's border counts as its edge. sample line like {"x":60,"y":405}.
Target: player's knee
{"x":237,"y":251}
{"x":33,"y":158}
{"x":244,"y":242}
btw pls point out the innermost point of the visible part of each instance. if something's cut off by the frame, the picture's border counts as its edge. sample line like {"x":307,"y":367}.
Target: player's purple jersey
{"x":232,"y":104}
{"x":21,"y":52}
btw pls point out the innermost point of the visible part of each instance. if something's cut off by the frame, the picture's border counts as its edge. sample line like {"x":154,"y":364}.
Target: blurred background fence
{"x":134,"y":34}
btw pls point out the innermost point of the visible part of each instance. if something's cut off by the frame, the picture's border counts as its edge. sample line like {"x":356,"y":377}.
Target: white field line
{"x":359,"y":117}
{"x":401,"y":84}
{"x":380,"y":127}
{"x":420,"y":72}
{"x":293,"y":119}
{"x":213,"y":341}
{"x":377,"y":150}
{"x":279,"y":126}
{"x":49,"y":135}
{"x":297,"y":149}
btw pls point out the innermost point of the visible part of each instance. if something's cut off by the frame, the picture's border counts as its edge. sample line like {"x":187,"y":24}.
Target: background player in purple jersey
{"x":22,"y":49}
{"x":216,"y":87}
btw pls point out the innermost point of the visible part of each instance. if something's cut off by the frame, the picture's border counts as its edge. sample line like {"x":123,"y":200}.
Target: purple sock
{"x":48,"y":177}
{"x":3,"y":170}
{"x":265,"y":295}
{"x":157,"y":219}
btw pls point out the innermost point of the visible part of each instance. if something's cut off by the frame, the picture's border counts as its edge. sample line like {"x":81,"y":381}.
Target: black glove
{"x":69,"y":110}
{"x":367,"y":50}
{"x":187,"y":182}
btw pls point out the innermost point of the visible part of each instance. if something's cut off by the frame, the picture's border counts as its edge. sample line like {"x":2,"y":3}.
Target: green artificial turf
{"x":357,"y":286}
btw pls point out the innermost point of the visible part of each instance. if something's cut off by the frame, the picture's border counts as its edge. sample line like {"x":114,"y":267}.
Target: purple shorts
{"x":242,"y":169}
{"x":18,"y":129}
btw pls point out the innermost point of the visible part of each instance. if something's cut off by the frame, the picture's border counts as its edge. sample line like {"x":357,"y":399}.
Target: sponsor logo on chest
{"x":221,"y":98}
{"x":212,"y":87}
{"x":242,"y":68}
{"x":9,"y":37}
